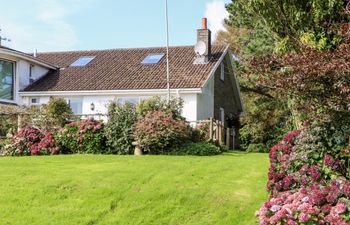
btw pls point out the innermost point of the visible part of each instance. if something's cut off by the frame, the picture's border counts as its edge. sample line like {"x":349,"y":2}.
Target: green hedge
{"x":196,"y":148}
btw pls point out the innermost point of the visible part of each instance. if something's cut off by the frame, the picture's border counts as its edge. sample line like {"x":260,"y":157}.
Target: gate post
{"x":211,"y":129}
{"x":228,"y":135}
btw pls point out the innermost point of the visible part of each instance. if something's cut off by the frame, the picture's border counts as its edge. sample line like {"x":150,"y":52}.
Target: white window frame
{"x":14,"y":82}
{"x":76,"y":100}
{"x":123,"y":100}
{"x":222,"y":71}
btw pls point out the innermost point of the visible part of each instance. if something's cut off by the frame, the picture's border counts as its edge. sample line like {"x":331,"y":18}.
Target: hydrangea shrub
{"x":86,"y":136}
{"x":308,"y":180}
{"x":315,"y":204}
{"x":31,"y":141}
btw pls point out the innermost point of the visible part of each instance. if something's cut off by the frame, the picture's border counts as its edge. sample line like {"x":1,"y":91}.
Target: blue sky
{"x":58,"y":25}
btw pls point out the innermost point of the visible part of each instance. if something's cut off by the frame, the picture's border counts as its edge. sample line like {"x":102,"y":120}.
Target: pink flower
{"x":291,"y":222}
{"x":326,"y":208}
{"x":339,"y":208}
{"x":328,"y":160}
{"x":303,"y":217}
{"x":303,"y":170}
{"x":305,"y":199}
{"x":275,"y":208}
{"x":315,"y":173}
{"x":288,"y":181}
{"x":346,"y":188}
{"x":291,"y":136}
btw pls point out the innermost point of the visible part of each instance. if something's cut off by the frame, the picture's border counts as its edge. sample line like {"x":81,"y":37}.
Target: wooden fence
{"x":218,"y":133}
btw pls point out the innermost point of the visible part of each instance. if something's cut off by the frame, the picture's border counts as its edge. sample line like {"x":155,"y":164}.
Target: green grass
{"x":96,"y":189}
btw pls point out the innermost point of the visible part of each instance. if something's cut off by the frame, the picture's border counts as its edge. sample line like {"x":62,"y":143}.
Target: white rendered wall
{"x":23,"y":68}
{"x":101,"y":103}
{"x":189,"y":110}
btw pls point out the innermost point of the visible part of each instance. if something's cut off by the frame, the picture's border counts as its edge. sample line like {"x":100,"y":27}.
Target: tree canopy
{"x":294,"y":61}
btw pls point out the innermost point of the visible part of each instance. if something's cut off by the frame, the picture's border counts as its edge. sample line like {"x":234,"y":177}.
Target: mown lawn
{"x":96,"y":189}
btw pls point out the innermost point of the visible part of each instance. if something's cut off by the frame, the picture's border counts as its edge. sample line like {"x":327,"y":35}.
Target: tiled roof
{"x":121,"y":69}
{"x":27,"y":56}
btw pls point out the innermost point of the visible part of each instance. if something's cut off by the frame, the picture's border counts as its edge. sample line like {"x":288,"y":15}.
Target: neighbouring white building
{"x":204,"y":79}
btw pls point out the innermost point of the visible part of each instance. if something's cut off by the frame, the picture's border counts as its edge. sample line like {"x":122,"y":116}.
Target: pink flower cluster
{"x":306,"y":195}
{"x":84,"y":136}
{"x":89,"y":125}
{"x":313,"y":205}
{"x":31,"y":141}
{"x":329,"y":161}
{"x":291,"y":136}
{"x":278,"y":178}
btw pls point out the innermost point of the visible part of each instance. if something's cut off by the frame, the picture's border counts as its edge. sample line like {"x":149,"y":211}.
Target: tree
{"x":266,"y":116}
{"x":303,"y":31}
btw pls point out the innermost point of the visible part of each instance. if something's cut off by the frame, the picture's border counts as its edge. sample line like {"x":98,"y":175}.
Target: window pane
{"x":83,"y":61}
{"x":128,"y":100}
{"x":153,"y":58}
{"x":76,"y":105}
{"x":6,"y":80}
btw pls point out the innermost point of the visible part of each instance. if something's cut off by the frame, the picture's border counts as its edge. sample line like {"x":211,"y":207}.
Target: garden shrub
{"x":315,"y":204}
{"x":58,"y":111}
{"x":256,"y":148}
{"x":266,"y":119}
{"x":157,"y":103}
{"x":86,"y":136}
{"x":309,"y":178}
{"x":196,"y":148}
{"x":8,"y":121}
{"x":158,"y":132}
{"x":8,"y":124}
{"x":4,"y":142}
{"x":31,"y":141}
{"x":200,"y":132}
{"x":118,"y":130}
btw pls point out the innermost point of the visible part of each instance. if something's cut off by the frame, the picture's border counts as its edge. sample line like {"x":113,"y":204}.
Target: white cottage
{"x":205,"y":82}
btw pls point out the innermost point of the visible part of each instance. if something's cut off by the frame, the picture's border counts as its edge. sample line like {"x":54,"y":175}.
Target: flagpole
{"x":167,"y":51}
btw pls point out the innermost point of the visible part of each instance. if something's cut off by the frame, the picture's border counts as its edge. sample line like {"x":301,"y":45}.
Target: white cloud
{"x":216,"y":14}
{"x":44,"y":26}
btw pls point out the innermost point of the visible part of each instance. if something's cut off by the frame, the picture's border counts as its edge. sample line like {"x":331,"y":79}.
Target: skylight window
{"x":83,"y":61}
{"x":153,"y":58}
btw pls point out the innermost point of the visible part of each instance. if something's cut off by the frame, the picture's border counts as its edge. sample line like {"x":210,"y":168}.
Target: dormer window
{"x":7,"y":80}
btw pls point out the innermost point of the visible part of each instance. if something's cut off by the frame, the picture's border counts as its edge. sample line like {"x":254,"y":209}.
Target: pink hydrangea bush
{"x":315,"y":204}
{"x":307,"y":185}
{"x":86,"y":136}
{"x":278,"y":177}
{"x":31,"y":141}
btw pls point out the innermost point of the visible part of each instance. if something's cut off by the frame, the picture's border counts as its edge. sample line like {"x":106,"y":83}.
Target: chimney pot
{"x":204,"y":24}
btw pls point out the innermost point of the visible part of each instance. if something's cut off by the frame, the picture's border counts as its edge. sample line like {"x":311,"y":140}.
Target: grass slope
{"x":90,"y":189}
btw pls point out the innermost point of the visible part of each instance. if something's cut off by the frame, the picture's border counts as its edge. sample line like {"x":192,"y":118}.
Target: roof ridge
{"x":121,"y":49}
